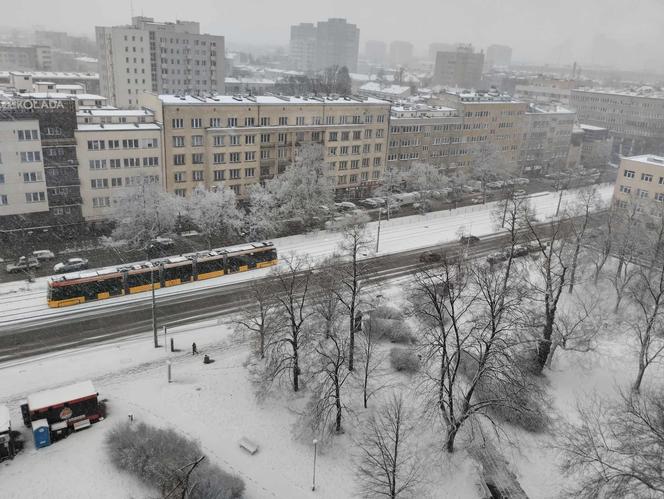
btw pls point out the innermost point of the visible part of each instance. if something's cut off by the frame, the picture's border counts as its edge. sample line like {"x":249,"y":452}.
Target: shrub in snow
{"x":387,"y":312}
{"x":169,"y":462}
{"x":404,"y":360}
{"x":394,"y":330}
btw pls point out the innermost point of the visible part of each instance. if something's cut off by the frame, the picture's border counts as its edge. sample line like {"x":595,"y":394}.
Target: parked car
{"x":345,"y":206}
{"x":520,"y":250}
{"x":519,"y":193}
{"x":498,"y":184}
{"x":431,"y":257}
{"x":43,"y":254}
{"x":23,"y":264}
{"x":394,"y":208}
{"x":71,"y":265}
{"x":477,"y":200}
{"x":368,"y":203}
{"x":521,"y":181}
{"x":469,"y":240}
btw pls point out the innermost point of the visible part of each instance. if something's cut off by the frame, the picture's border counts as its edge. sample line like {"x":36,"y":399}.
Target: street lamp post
{"x":313,"y":486}
{"x":154,"y":309}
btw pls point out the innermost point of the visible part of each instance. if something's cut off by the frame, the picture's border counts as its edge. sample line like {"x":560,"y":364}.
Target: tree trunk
{"x":544,"y":345}
{"x":636,"y":388}
{"x":351,"y":342}
{"x":575,"y":261}
{"x":450,"y":437}
{"x":262,"y":342}
{"x":337,"y":401}
{"x":296,"y":371}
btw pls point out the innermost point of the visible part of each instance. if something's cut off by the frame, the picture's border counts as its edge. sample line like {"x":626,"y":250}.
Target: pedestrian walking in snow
{"x":194,"y":350}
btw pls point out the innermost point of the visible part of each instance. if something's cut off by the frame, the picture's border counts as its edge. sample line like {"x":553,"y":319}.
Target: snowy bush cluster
{"x":170,"y":463}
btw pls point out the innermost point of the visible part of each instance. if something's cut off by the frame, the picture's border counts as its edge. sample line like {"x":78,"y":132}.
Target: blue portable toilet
{"x":41,"y":433}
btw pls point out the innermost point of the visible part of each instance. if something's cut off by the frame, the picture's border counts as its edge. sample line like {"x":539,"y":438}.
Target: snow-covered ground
{"x":20,"y":301}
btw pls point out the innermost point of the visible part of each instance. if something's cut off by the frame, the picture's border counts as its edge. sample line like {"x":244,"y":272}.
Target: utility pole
{"x":154,"y":309}
{"x":313,"y":486}
{"x":380,"y":211}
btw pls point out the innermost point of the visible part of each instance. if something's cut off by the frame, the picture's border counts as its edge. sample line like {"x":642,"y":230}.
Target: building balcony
{"x":64,"y":200}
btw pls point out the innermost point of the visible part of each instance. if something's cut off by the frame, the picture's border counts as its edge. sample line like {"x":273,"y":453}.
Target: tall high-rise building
{"x":498,"y":56}
{"x":25,"y":57}
{"x":434,"y":48}
{"x":461,"y":68}
{"x":401,"y":53}
{"x":336,"y":44}
{"x":303,"y":46}
{"x":158,"y":57}
{"x":375,"y":51}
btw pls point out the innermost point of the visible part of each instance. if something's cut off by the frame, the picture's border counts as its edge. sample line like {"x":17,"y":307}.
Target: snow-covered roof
{"x":60,"y":95}
{"x":5,"y":420}
{"x":113,"y":112}
{"x":48,"y":398}
{"x":649,"y":159}
{"x":68,"y":87}
{"x":250,"y":81}
{"x":60,"y":75}
{"x":549,"y":109}
{"x":113,"y":127}
{"x":583,"y":126}
{"x":373,"y":86}
{"x":644,"y":91}
{"x":265,"y":99}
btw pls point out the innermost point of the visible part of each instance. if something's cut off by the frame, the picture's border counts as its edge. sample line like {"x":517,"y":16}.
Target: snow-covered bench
{"x":248,"y":445}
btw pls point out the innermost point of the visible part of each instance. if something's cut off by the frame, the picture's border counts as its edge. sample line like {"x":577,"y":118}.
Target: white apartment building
{"x":114,"y":156}
{"x":158,"y":57}
{"x":23,"y":190}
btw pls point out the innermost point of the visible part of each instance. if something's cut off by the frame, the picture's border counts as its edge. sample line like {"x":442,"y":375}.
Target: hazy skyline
{"x":556,"y":32}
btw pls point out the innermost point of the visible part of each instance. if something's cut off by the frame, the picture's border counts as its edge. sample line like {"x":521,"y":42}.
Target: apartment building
{"x":498,"y":56}
{"x":634,"y":117}
{"x":54,"y":154}
{"x":334,"y":42}
{"x":161,"y":57}
{"x":25,"y":57}
{"x":641,"y":180}
{"x":459,"y":68}
{"x":428,"y":134}
{"x":238,"y":141}
{"x":489,"y":120}
{"x":13,"y":78}
{"x":545,"y":89}
{"x":547,"y":135}
{"x":117,"y":149}
{"x":23,"y":194}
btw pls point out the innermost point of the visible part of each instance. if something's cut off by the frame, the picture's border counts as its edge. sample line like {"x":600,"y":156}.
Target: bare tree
{"x":387,"y":461}
{"x":549,"y":279}
{"x":648,"y":295}
{"x":263,"y":320}
{"x":369,"y":360}
{"x":423,"y":178}
{"x":489,"y":164}
{"x":626,"y":271}
{"x":350,"y":272}
{"x":326,"y":298}
{"x":602,"y":242}
{"x":392,"y":179}
{"x":617,"y":449}
{"x":292,"y":285}
{"x":215,"y":213}
{"x":331,"y":376}
{"x":581,"y":217}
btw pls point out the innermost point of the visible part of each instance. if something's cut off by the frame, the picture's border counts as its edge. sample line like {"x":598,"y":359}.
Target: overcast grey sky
{"x":555,"y":30}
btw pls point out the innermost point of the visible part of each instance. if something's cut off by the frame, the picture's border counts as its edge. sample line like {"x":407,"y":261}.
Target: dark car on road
{"x":431,"y":257}
{"x":469,"y":240}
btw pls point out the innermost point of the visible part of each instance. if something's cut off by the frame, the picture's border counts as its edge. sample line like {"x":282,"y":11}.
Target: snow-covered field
{"x":20,"y":301}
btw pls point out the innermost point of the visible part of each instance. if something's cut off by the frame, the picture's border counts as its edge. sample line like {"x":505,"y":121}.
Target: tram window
{"x":210,"y":266}
{"x":182,"y":272}
{"x":141,"y":279}
{"x":234,"y":263}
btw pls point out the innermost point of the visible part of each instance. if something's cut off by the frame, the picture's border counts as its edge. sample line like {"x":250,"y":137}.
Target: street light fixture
{"x":313,"y":486}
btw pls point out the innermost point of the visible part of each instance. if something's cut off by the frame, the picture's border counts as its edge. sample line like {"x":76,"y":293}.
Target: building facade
{"x":56,"y":116}
{"x":428,"y":134}
{"x":461,"y":68}
{"x":498,"y":56}
{"x":25,"y":57}
{"x":490,"y":121}
{"x":149,"y":56}
{"x":544,"y":89}
{"x":23,"y":194}
{"x":546,"y":138}
{"x":641,"y":180}
{"x":635,"y":118}
{"x":239,"y":141}
{"x":334,"y":42}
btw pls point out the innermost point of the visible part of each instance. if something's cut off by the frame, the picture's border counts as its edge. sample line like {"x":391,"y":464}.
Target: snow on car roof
{"x":5,"y":420}
{"x":48,"y":398}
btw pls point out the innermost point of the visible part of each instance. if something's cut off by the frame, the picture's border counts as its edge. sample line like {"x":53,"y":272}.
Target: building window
{"x":380,"y":133}
{"x":629,"y":174}
{"x":283,"y":121}
{"x":356,"y":150}
{"x":357,"y":135}
{"x":219,"y":175}
{"x":114,"y":144}
{"x":332,"y":151}
{"x":249,"y":121}
{"x":343,"y":165}
{"x":196,"y":122}
{"x":341,"y":179}
{"x":378,"y":147}
{"x":178,"y":159}
{"x":642,"y":193}
{"x":3,"y":200}
{"x":343,"y":151}
{"x":234,"y":140}
{"x":368,"y":133}
{"x":177,"y":123}
{"x":180,"y":192}
{"x":234,"y":157}
{"x":197,"y":175}
{"x":333,"y":137}
{"x":249,"y":172}
{"x":234,"y":173}
{"x":315,"y":136}
{"x":178,"y":141}
{"x":265,"y":154}
{"x":352,"y":179}
{"x":28,"y":135}
{"x":99,"y":183}
{"x":376,"y":162}
{"x":197,"y":158}
{"x":180,"y":176}
{"x":96,"y":145}
{"x":97,"y":164}
{"x":375,"y":175}
{"x":116,"y":182}
{"x":659,"y":197}
{"x":646,"y":177}
{"x":364,"y":176}
{"x":355,"y":164}
{"x":215,"y":122}
{"x":232,"y":122}
{"x":249,"y":139}
{"x":35,"y":197}
{"x":219,"y":157}
{"x":28,"y":177}
{"x":282,"y":153}
{"x":265,"y":138}
{"x":299,"y":120}
{"x":130,"y":144}
{"x":265,"y":121}
{"x":151,"y":161}
{"x":104,"y":202}
{"x":2,"y":178}
{"x":218,"y":140}
{"x":132,"y":162}
{"x":235,"y":189}
{"x":345,"y":135}
{"x":196,"y":140}
{"x":250,"y":156}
